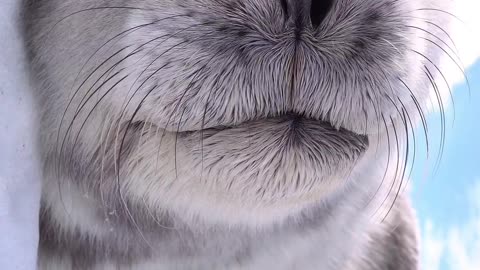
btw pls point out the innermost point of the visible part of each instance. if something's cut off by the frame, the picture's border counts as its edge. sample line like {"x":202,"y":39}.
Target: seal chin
{"x":262,"y":170}
{"x":275,"y":157}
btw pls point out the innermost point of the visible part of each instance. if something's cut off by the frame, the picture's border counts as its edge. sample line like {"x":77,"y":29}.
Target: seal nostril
{"x":306,"y":12}
{"x":319,"y":10}
{"x":285,"y":7}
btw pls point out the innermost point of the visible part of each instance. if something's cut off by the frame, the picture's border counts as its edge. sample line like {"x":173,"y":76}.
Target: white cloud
{"x":465,"y":33}
{"x":464,"y":241}
{"x":457,"y":246}
{"x":433,"y":248}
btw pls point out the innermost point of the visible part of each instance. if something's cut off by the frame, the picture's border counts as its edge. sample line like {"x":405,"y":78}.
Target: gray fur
{"x":228,"y":134}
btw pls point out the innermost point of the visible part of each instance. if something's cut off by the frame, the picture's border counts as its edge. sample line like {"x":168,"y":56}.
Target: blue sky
{"x":448,"y":202}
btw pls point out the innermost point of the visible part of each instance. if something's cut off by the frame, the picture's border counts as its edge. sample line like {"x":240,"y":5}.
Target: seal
{"x":231,"y":134}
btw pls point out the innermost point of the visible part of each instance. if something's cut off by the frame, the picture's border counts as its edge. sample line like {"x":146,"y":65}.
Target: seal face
{"x":246,"y":114}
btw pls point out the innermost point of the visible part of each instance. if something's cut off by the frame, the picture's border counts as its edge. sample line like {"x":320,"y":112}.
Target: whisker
{"x":83,"y":102}
{"x":72,"y":122}
{"x":421,"y":114}
{"x":405,"y":116}
{"x":122,"y":198}
{"x":90,"y":113}
{"x":439,"y":28}
{"x":412,"y":129}
{"x":72,"y":98}
{"x":127,"y":102}
{"x":137,"y":50}
{"x":128,"y":31}
{"x":438,"y":38}
{"x":442,"y":117}
{"x":441,"y":11}
{"x":389,"y":147}
{"x":403,"y":170}
{"x":93,"y":9}
{"x":441,"y":74}
{"x":397,"y":171}
{"x":460,"y":67}
{"x":130,"y":122}
{"x":395,"y":176}
{"x":163,"y":53}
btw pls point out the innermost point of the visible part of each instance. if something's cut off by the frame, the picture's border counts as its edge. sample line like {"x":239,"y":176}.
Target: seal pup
{"x":231,"y":134}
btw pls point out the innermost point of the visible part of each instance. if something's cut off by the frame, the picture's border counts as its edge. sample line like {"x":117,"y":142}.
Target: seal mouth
{"x":296,"y":123}
{"x":289,"y":131}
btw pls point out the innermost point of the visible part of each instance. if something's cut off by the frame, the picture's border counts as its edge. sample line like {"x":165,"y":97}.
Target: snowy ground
{"x":19,"y":170}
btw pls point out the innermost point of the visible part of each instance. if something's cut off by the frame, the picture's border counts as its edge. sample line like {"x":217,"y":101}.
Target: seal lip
{"x":296,"y":121}
{"x":295,"y":126}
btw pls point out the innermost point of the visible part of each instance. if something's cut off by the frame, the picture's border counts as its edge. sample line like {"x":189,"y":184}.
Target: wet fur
{"x":131,"y":181}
